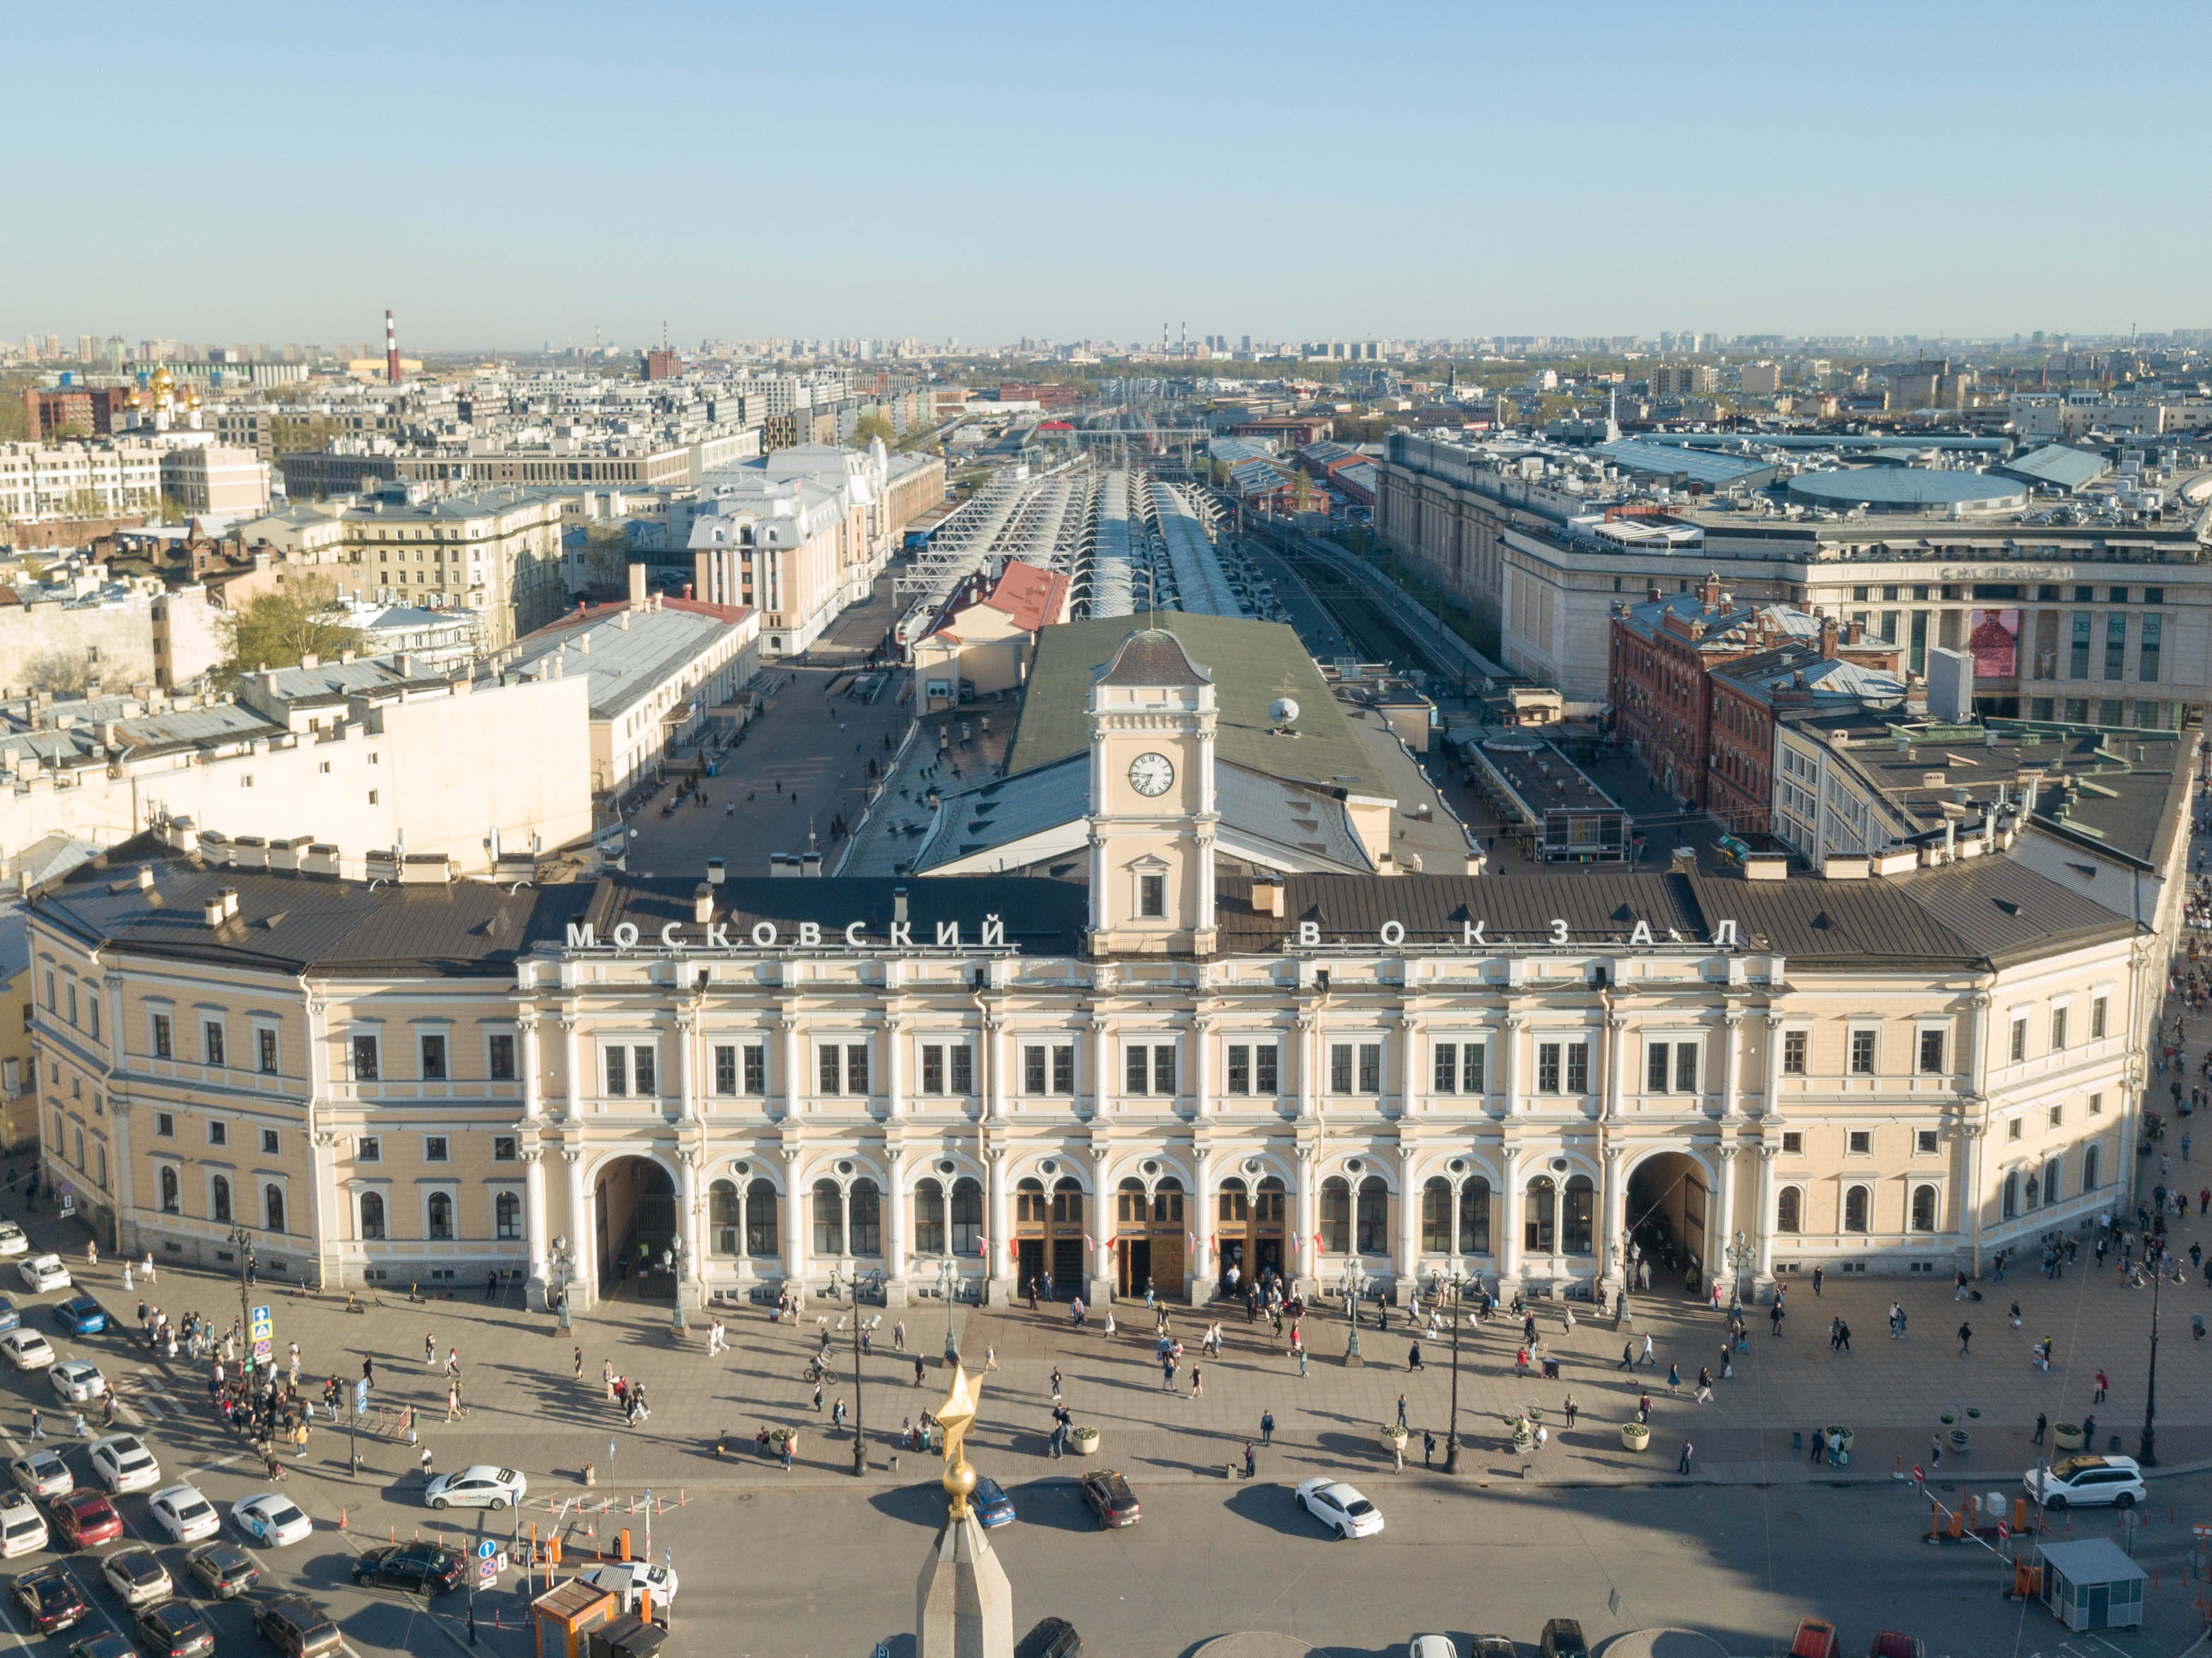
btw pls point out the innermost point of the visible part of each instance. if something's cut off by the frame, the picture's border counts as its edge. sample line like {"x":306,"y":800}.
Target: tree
{"x":300,"y":617}
{"x":871,"y":427}
{"x":290,"y":436}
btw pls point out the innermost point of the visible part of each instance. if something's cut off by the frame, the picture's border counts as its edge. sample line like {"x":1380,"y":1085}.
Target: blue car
{"x":992,"y":1506}
{"x":9,"y":1318}
{"x":80,"y":1316}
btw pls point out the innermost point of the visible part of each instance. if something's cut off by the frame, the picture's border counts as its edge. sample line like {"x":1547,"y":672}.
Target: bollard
{"x":1935,"y":1520}
{"x":2020,"y":1514}
{"x":622,"y":1542}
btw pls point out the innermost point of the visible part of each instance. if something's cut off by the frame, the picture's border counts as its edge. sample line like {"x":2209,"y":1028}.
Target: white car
{"x":26,"y":1350}
{"x":628,"y":1578}
{"x":1432,"y":1646}
{"x":77,"y":1381}
{"x":2079,"y":1482}
{"x":43,"y":1272}
{"x":12,"y":1241}
{"x":42,"y":1473}
{"x":1339,"y":1507}
{"x":124,"y":1464}
{"x":22,"y":1527}
{"x":186,"y":1514}
{"x":272,"y":1520}
{"x":137,"y":1576}
{"x":480,"y":1486}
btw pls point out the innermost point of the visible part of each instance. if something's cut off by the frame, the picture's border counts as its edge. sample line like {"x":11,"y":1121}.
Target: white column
{"x":533,"y":1217}
{"x":1201,"y":1273}
{"x":582,"y":1234}
{"x":1410,"y":1064}
{"x":1508,"y":1236}
{"x":1409,"y":1217}
{"x":1509,"y":1080}
{"x":1305,"y":1261}
{"x":994,"y":1077}
{"x":572,"y":1046}
{"x":1101,"y":1229}
{"x":1771,"y":1106}
{"x":687,"y":1219}
{"x":1201,"y":1067}
{"x":1765,"y":1269}
{"x":1731,"y":1061}
{"x":895,"y":1262}
{"x":895,"y":1069}
{"x":1616,"y":1063}
{"x":687,"y":1070}
{"x":1308,"y":1094}
{"x":1102,"y":1066}
{"x":793,"y":1075}
{"x":1719,"y":1263}
{"x":997,"y":1269}
{"x":1610,"y":1248}
{"x":797,"y":1202}
{"x":533,"y":1084}
{"x":1973,"y":1195}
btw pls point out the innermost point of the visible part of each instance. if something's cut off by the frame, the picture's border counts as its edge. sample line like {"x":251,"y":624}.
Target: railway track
{"x":1379,"y":636}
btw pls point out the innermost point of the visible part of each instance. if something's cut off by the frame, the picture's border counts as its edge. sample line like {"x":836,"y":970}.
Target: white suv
{"x":2085,"y":1481}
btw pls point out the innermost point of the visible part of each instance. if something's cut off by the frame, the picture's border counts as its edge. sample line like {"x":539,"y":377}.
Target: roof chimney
{"x":1828,"y":636}
{"x":230,"y":903}
{"x":714,"y":871}
{"x":637,"y":586}
{"x":898,"y":904}
{"x":702,"y":903}
{"x":211,"y":911}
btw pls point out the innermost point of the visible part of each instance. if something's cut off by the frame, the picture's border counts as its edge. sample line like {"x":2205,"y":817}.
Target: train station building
{"x":1184,"y":1043}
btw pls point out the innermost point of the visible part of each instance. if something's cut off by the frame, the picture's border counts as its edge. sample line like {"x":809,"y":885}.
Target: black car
{"x":224,"y":1570}
{"x":172,"y":1629}
{"x":49,"y":1599}
{"x":296,"y":1627}
{"x":418,"y":1567}
{"x":1111,"y":1498}
{"x":103,"y":1646}
{"x":1563,"y":1638}
{"x":1055,"y":1637}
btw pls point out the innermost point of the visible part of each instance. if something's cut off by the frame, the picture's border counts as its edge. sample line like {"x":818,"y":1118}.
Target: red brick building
{"x":1832,"y":674}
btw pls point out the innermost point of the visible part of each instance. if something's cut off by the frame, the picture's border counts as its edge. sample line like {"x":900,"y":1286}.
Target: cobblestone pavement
{"x":527,"y":1408}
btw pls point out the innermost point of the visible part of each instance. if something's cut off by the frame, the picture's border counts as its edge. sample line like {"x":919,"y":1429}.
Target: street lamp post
{"x":1740,"y":1255}
{"x":859,"y":1413}
{"x":564,"y":1268}
{"x":681,"y":1251}
{"x":2147,"y":1453}
{"x":1458,"y":1285}
{"x":241,"y":1239}
{"x":1353,"y":1282}
{"x":948,"y":1286}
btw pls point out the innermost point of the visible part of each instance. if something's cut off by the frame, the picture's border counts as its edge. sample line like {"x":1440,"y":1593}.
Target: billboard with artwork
{"x":1993,"y":641}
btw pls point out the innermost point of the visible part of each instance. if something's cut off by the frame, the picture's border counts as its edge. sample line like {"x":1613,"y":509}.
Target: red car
{"x":85,"y":1520}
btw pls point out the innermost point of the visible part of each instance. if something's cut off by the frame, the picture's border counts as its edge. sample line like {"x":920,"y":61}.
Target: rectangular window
{"x":435,"y":1149}
{"x":1370,"y":1068}
{"x":71,"y":989}
{"x":1924,"y":1142}
{"x":963,"y":1068}
{"x":211,"y":1041}
{"x":2014,"y":1129}
{"x":2019,"y":1037}
{"x":2077,"y":658}
{"x":856,"y":1067}
{"x":364,"y":1059}
{"x":2057,"y":1116}
{"x":1577,"y":1067}
{"x":1240,"y":1068}
{"x":165,"y":1124}
{"x":265,"y":1050}
{"x":164,"y":1044}
{"x":2096,"y":1105}
{"x":1794,"y":1043}
{"x":641,"y":1068}
{"x":92,"y":1011}
{"x":1137,"y":1065}
{"x":1152,"y":895}
{"x":505,"y":1148}
{"x":933,"y":1069}
{"x":1164,"y":1069}
{"x":218,"y":1133}
{"x":826,"y":1058}
{"x":1654,"y":1068}
{"x":1931,"y":1052}
{"x":757,"y":1068}
{"x":2154,"y":629}
{"x":2098,"y":1011}
{"x":1859,"y":1142}
{"x":1063,"y":1067}
{"x":1862,"y":1052}
{"x":617,"y":1069}
{"x":1686,"y":1067}
{"x":1033,"y":1070}
{"x":1446,"y":1068}
{"x":725,"y":1068}
{"x":2116,"y":645}
{"x":501,"y":1057}
{"x":1473,"y":1067}
{"x":1547,"y":1067}
{"x":1339,"y":1067}
{"x":433,"y":1059}
{"x":368,"y":1149}
{"x":1793,"y":1141}
{"x":268,"y":1143}
{"x":2057,"y":1030}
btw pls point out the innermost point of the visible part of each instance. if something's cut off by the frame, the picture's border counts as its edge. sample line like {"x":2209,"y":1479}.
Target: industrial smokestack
{"x":391,"y":350}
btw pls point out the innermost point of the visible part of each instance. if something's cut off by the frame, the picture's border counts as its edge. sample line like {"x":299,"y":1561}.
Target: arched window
{"x":2054,"y":1184}
{"x":1336,"y":1215}
{"x":928,"y":1219}
{"x":1268,"y":1202}
{"x":1474,"y":1217}
{"x":1029,"y":1202}
{"x":507,"y":1217}
{"x":1540,"y":1215}
{"x":966,"y":1216}
{"x":441,"y":1208}
{"x":1067,"y":1201}
{"x":828,"y":1218}
{"x":219,"y":1191}
{"x":372,"y":1215}
{"x":2010,"y":1204}
{"x":2092,"y":1165}
{"x":867,"y":1210}
{"x":1578,"y":1226}
{"x":1924,"y":1208}
{"x":1235,"y":1206}
{"x":1789,"y":1210}
{"x":1436,"y":1217}
{"x":1858,"y":1201}
{"x":761,"y":1240}
{"x":722,"y":1220}
{"x":169,"y":1195}
{"x":1374,"y":1217}
{"x":272,"y":1208}
{"x":1167,"y":1201}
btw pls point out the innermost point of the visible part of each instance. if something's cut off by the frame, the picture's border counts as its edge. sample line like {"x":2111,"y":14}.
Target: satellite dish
{"x":1284,"y":711}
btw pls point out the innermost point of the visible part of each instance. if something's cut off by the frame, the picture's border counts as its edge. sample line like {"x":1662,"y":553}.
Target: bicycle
{"x":816,"y":1371}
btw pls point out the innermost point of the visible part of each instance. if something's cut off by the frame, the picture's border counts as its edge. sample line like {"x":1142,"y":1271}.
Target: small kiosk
{"x":2091,"y":1584}
{"x":563,"y":1619}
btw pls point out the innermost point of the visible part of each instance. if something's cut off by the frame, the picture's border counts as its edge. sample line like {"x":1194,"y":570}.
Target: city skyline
{"x":1728,"y":171}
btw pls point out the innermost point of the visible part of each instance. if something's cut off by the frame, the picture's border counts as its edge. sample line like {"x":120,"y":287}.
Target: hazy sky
{"x":501,"y":175}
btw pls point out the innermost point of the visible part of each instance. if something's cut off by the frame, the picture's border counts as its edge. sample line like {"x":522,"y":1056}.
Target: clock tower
{"x":1152,"y":721}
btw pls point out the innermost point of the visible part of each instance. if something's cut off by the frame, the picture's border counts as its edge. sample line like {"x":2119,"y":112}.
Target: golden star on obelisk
{"x":955,"y":1416}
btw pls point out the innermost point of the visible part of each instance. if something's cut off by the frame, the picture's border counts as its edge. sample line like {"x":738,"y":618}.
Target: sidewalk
{"x":528,"y":1410}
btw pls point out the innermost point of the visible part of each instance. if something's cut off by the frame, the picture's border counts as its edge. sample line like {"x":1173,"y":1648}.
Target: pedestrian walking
{"x":818,"y":1399}
{"x":1643,"y":1408}
{"x":1820,"y":1443}
{"x":1267,"y":1428}
{"x":1251,"y":1460}
{"x":2102,"y":1384}
{"x":1935,"y":1453}
{"x":1413,"y":1358}
{"x":1683,"y":1466}
{"x":38,"y":1423}
{"x":430,"y":1350}
{"x":1648,"y":1357}
{"x":368,"y":1369}
{"x":1705,"y":1395}
{"x":899,"y":1337}
{"x":2042,"y":1426}
{"x":580,"y":1365}
{"x":1197,"y":1381}
{"x":917,"y":1370}
{"x":607,"y":1376}
{"x":1627,"y":1355}
{"x":1673,"y":1378}
{"x":1819,"y":1273}
{"x":1965,"y":1337}
{"x":1397,"y":1456}
{"x":790,"y":1445}
{"x":1301,"y":1361}
{"x":1055,"y":1384}
{"x":1402,"y":1410}
{"x":1572,"y":1408}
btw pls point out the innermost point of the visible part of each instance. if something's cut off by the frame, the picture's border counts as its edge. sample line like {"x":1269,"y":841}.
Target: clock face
{"x":1150,"y":774}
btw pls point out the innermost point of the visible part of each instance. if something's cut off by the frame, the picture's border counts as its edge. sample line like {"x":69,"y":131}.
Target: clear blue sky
{"x":504,"y":174}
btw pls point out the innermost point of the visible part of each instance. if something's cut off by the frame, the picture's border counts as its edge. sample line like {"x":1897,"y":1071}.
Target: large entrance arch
{"x":634,"y":1217}
{"x":1670,"y":1219}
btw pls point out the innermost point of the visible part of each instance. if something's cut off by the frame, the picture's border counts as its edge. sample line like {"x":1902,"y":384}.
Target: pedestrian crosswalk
{"x":145,"y":1394}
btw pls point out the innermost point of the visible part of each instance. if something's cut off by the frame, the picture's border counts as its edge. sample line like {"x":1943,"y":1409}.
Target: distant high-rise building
{"x":88,"y":348}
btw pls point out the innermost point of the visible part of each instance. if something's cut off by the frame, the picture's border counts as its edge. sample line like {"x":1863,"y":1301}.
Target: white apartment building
{"x":108,"y":478}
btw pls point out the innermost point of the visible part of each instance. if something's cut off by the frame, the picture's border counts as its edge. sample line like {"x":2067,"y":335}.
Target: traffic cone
{"x":342,"y":1523}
